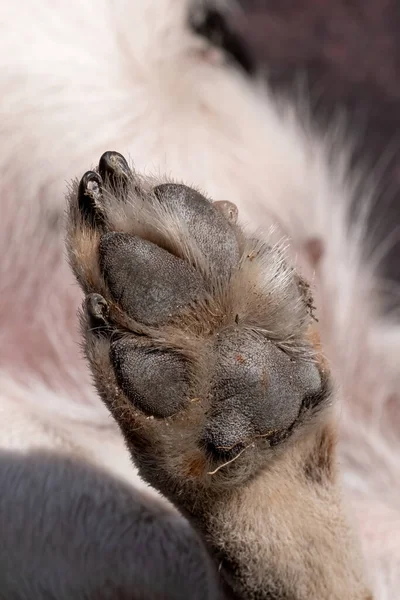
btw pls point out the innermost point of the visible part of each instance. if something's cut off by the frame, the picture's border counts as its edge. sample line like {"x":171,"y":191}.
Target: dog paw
{"x":198,"y":335}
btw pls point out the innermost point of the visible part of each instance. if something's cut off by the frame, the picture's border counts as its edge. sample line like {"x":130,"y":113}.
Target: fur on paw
{"x":198,"y":335}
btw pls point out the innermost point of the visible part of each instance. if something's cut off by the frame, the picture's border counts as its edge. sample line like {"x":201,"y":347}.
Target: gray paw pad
{"x":149,"y":283}
{"x":210,"y":229}
{"x":258,"y":389}
{"x":155,"y":381}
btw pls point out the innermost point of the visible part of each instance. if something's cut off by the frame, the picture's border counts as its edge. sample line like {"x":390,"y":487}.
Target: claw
{"x":89,"y":195}
{"x":114,"y":168}
{"x":97,"y":309}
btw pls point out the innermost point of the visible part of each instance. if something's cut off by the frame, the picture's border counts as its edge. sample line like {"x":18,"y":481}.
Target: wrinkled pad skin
{"x":150,"y":284}
{"x":154,"y":380}
{"x":258,"y":389}
{"x":213,"y":234}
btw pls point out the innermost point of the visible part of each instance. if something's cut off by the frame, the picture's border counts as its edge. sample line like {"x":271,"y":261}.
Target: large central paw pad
{"x":197,"y":335}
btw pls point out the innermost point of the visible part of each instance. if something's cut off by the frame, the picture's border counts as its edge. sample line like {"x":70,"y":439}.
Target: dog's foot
{"x":198,"y":337}
{"x":196,"y":334}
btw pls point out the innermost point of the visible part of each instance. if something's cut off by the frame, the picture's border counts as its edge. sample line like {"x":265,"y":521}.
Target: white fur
{"x":81,"y":77}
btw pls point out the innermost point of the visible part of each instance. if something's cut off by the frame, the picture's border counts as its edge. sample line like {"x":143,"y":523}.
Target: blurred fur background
{"x":345,"y":55}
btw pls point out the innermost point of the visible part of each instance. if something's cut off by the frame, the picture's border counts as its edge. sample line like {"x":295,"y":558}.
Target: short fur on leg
{"x":201,"y":341}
